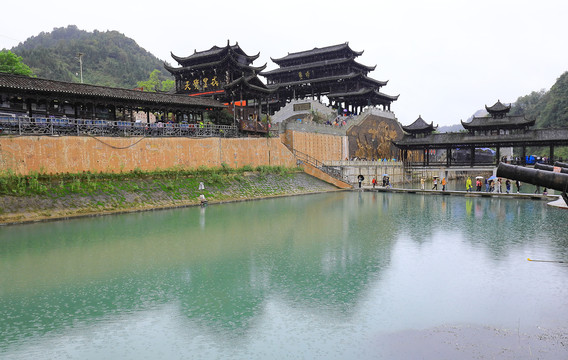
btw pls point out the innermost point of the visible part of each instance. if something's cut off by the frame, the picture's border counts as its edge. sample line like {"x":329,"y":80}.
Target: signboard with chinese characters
{"x":304,"y":75}
{"x":204,"y":84}
{"x":302,"y":107}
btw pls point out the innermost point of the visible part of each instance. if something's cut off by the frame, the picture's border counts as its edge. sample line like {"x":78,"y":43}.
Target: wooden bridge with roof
{"x":473,"y":148}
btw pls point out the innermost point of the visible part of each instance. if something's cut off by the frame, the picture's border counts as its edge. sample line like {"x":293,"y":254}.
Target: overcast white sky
{"x":446,"y":58}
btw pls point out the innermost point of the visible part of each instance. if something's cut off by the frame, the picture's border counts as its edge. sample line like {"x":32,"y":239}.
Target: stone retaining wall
{"x":27,"y":154}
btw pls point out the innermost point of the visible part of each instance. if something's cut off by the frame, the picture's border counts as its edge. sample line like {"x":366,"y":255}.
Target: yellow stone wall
{"x":323,"y":147}
{"x":27,"y":154}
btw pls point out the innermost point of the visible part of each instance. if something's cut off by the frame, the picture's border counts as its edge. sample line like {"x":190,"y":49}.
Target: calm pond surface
{"x":346,"y":275}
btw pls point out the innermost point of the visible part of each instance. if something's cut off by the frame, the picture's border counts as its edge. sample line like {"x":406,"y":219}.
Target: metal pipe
{"x":548,"y":179}
{"x":540,"y":166}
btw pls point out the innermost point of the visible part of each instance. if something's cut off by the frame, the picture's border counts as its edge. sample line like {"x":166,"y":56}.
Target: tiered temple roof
{"x":498,"y":119}
{"x":329,"y":71}
{"x":419,"y":126}
{"x":325,"y":53}
{"x":216,"y":72}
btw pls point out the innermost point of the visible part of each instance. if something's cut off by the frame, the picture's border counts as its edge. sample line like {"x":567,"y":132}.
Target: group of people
{"x":491,"y":185}
{"x":435,"y":183}
{"x":386,"y":181}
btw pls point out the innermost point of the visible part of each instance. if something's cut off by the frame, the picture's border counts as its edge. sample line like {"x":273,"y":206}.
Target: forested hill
{"x":109,"y":58}
{"x":549,"y":108}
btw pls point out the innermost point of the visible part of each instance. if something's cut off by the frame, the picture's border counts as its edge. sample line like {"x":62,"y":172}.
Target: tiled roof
{"x":363,"y":92}
{"x":507,"y":122}
{"x":498,"y":107}
{"x":228,"y":58}
{"x":419,"y":125}
{"x":316,"y":64}
{"x":317,"y":51}
{"x":215,"y":51}
{"x":38,"y":85}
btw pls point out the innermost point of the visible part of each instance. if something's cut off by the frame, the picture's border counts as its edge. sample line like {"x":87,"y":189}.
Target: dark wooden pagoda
{"x":419,"y":128}
{"x":226,"y":74}
{"x":329,"y":71}
{"x":498,"y":122}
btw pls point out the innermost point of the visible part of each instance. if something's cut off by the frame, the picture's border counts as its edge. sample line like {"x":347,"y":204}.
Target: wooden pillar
{"x":472,"y":156}
{"x":551,"y":155}
{"x":498,"y":155}
{"x":29,"y":105}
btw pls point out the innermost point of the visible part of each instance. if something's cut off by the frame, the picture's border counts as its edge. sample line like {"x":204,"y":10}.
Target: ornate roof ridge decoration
{"x":40,"y":85}
{"x":215,"y":51}
{"x":420,"y":126}
{"x":317,"y":64}
{"x":228,"y":58}
{"x":317,"y":51}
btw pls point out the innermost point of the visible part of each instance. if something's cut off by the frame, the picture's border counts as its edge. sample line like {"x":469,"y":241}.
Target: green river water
{"x":346,"y":275}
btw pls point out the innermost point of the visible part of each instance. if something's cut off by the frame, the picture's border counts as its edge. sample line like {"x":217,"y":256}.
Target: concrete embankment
{"x":555,"y":200}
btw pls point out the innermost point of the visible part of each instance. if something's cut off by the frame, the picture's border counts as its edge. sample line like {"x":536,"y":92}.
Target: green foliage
{"x":220,"y":117}
{"x":549,"y":109}
{"x":170,"y":180}
{"x":12,"y":64}
{"x":109,"y":58}
{"x":555,"y":112}
{"x":154,"y":83}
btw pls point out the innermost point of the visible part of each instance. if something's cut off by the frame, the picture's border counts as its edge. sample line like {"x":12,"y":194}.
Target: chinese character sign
{"x":201,"y":84}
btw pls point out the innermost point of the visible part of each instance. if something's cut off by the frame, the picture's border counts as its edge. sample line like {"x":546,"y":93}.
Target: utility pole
{"x":80,"y":56}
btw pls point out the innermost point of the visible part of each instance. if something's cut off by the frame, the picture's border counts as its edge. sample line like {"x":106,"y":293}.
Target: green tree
{"x":154,"y":83}
{"x":168,"y":85}
{"x":555,"y":112}
{"x":12,"y":64}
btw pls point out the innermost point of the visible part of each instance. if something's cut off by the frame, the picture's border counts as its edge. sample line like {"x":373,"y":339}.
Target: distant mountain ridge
{"x":109,"y":58}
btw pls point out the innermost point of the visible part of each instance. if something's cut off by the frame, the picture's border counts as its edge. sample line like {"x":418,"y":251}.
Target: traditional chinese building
{"x":484,"y":142}
{"x":498,"y":122}
{"x":329,"y":71}
{"x":419,"y":128}
{"x":224,"y":73}
{"x":36,"y":97}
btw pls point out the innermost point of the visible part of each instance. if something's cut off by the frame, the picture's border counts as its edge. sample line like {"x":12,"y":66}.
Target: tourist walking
{"x":435,"y":187}
{"x":468,"y":185}
{"x":422,"y":181}
{"x":443,"y":184}
{"x":478,"y":185}
{"x":518,"y":185}
{"x":508,"y":185}
{"x":486,"y":185}
{"x":499,"y":185}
